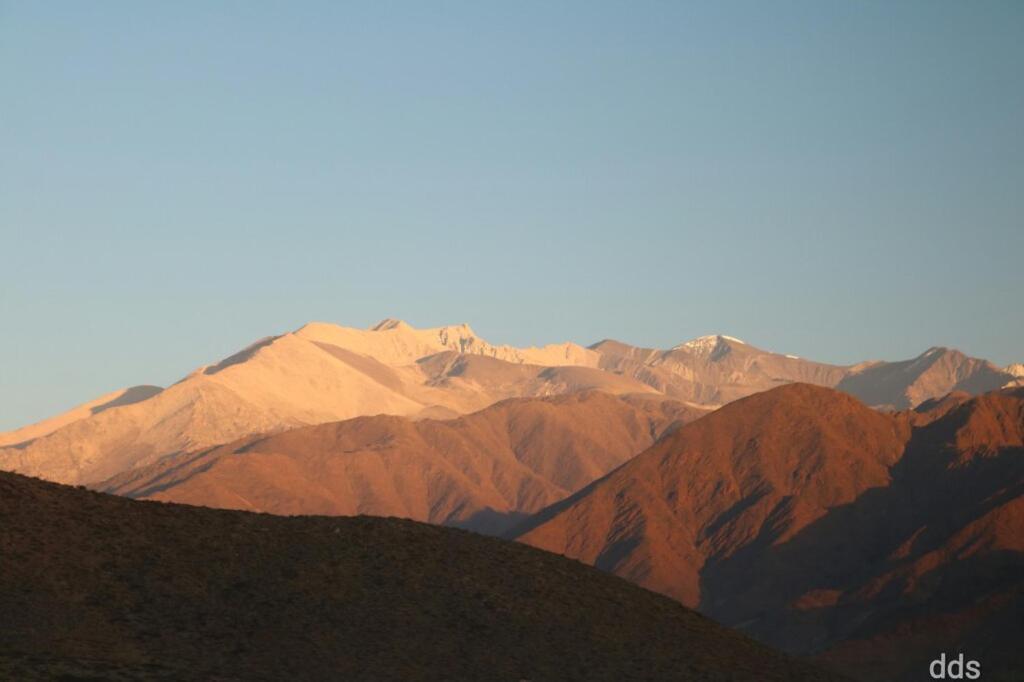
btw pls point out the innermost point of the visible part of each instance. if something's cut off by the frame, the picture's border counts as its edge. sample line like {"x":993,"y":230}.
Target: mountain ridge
{"x":323,"y":372}
{"x":480,"y":471}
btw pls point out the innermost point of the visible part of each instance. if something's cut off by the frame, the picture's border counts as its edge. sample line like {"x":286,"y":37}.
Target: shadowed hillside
{"x":95,"y":584}
{"x":824,"y":527}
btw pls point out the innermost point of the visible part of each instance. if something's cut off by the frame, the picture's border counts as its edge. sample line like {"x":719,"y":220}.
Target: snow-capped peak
{"x":706,"y":345}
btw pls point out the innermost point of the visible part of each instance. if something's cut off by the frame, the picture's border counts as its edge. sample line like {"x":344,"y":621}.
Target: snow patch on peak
{"x":706,"y":344}
{"x":1016,"y":369}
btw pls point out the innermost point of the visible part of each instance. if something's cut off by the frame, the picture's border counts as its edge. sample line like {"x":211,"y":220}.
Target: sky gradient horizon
{"x":839,"y":181}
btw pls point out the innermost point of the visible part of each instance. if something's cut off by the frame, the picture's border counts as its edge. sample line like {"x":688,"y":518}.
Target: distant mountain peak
{"x":1016,"y":369}
{"x":708,"y":345}
{"x":462,"y":338}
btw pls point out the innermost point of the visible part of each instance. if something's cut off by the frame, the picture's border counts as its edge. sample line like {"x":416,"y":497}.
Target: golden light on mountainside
{"x":323,"y":372}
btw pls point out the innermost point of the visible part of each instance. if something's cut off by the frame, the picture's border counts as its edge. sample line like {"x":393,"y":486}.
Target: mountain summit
{"x":711,"y":347}
{"x":932,"y":374}
{"x":319,"y":373}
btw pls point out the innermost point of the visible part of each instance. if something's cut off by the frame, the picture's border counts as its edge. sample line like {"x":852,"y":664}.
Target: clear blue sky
{"x":839,"y":180}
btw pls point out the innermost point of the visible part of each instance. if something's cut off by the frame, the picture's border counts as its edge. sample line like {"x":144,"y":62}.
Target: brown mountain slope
{"x":94,"y":586}
{"x":821,"y":526}
{"x":775,"y":460}
{"x":482,"y":471}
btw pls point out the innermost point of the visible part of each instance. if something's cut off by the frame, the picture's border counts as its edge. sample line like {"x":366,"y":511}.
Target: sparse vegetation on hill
{"x":100,"y":586}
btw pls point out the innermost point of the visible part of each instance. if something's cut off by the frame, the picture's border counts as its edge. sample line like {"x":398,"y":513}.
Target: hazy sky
{"x":837,"y":180}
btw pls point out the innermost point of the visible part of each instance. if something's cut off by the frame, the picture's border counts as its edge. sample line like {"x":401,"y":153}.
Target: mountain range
{"x":323,"y":373}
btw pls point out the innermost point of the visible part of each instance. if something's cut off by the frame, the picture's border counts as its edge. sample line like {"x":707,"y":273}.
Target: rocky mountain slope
{"x":482,"y":471}
{"x":712,"y":370}
{"x":934,"y":373}
{"x":824,"y":527}
{"x":100,"y":587}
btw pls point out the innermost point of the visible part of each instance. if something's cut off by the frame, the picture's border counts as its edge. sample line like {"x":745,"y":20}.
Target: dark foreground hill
{"x":98,"y":587}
